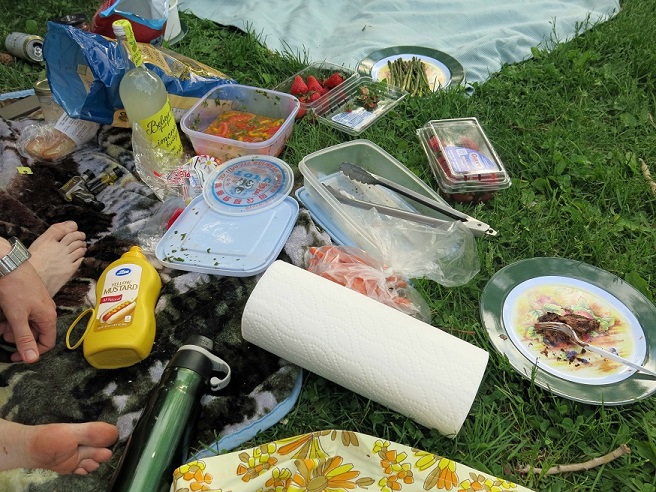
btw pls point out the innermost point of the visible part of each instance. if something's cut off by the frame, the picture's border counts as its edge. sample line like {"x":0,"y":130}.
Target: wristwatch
{"x":12,"y":260}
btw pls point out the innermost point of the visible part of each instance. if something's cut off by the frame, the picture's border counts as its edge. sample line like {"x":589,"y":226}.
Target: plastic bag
{"x":85,"y":69}
{"x":148,"y":18}
{"x":446,"y":254}
{"x":158,"y":223}
{"x":52,"y":141}
{"x":353,"y":268}
{"x":153,"y":164}
{"x":187,"y":181}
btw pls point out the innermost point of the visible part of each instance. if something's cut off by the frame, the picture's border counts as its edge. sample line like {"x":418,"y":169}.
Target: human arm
{"x":29,"y":313}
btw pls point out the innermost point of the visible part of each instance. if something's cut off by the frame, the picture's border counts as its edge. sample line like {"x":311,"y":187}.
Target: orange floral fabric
{"x":333,"y":461}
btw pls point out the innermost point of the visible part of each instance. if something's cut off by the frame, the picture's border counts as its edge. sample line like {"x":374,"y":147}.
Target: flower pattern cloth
{"x":333,"y":461}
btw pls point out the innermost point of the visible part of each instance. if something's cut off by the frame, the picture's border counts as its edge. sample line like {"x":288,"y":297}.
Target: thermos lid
{"x":196,"y":355}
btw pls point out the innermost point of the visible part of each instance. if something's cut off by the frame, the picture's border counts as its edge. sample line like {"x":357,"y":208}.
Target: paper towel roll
{"x":374,"y":350}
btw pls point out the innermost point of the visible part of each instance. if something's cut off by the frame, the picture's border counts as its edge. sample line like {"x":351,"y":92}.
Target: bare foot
{"x":57,"y":254}
{"x":63,"y":448}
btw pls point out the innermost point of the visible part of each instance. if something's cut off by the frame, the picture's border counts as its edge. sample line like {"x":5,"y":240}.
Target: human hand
{"x":30,"y":315}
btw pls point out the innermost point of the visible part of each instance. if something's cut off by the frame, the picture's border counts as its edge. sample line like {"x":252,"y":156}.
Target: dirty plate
{"x":442,"y":69}
{"x":518,"y":294}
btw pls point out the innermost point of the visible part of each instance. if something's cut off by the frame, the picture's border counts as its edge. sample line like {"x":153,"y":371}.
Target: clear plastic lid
{"x":249,"y":184}
{"x":206,"y":241}
{"x":355,"y":106}
{"x":461,"y":156}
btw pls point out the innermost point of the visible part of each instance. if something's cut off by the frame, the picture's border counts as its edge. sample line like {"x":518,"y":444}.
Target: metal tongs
{"x":357,"y":173}
{"x":571,"y":334}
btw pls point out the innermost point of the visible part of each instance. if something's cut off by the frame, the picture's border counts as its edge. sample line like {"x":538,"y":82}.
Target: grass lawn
{"x":575,"y":126}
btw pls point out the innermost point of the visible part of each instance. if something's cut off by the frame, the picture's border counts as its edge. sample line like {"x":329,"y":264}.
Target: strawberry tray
{"x":313,"y":84}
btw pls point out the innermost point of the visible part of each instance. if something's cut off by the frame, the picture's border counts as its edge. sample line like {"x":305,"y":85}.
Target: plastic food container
{"x":342,"y":221}
{"x":464,"y":163}
{"x":355,"y":106}
{"x":321,"y":71}
{"x":263,"y":102}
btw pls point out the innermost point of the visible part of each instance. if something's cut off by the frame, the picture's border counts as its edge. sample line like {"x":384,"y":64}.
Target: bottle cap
{"x":42,"y":88}
{"x":134,"y":252}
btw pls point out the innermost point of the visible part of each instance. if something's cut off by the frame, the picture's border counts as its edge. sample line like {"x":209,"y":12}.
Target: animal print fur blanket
{"x":62,"y":386}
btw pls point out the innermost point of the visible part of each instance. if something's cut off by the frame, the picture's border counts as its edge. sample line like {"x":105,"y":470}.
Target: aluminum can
{"x":26,"y":46}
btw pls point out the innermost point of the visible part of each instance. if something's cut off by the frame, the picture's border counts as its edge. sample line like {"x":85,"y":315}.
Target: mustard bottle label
{"x":162,"y":131}
{"x":119,"y":297}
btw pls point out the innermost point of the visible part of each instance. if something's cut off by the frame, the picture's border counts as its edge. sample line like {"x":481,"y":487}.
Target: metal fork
{"x":569,"y":331}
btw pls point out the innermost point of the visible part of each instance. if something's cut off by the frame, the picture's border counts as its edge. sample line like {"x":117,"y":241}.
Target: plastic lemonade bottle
{"x":144,"y":96}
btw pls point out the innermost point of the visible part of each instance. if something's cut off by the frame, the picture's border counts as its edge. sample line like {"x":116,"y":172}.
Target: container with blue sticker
{"x":239,"y":225}
{"x":464,"y":162}
{"x":249,"y":184}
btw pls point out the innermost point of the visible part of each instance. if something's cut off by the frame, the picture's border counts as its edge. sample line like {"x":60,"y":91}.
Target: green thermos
{"x":160,"y":440}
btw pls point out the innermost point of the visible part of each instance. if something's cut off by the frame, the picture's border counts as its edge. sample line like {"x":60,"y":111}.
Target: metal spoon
{"x":569,"y":331}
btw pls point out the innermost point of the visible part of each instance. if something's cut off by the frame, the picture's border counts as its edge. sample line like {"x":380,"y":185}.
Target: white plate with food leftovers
{"x":603,"y":310}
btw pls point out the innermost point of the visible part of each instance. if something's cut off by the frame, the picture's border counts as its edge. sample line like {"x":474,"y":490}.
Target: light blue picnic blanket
{"x":482,"y":35}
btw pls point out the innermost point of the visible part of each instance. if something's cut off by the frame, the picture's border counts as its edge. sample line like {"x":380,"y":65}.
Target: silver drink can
{"x":27,"y":46}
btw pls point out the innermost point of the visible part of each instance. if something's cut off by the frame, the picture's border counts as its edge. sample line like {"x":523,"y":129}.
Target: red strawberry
{"x":301,"y":113}
{"x":298,"y":86}
{"x":333,"y":81}
{"x":314,"y":96}
{"x":468,"y":143}
{"x":434,"y":144}
{"x":313,"y":84}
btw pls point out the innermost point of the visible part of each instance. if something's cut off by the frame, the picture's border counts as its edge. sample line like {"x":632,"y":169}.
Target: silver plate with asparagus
{"x":417,"y":70}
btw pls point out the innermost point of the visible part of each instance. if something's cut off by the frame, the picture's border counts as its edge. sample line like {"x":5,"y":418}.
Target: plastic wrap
{"x":355,"y":269}
{"x":187,"y":181}
{"x":446,"y":254}
{"x":52,"y":141}
{"x":158,"y":223}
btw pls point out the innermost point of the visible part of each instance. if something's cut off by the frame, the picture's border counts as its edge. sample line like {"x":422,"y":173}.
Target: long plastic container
{"x":323,"y":168}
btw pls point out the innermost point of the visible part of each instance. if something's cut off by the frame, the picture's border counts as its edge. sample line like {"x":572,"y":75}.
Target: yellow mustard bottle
{"x":121,"y":331}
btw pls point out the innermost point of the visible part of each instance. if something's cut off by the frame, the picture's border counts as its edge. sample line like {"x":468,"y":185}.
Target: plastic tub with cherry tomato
{"x":464,"y":163}
{"x":328,"y":75}
{"x":199,"y":122}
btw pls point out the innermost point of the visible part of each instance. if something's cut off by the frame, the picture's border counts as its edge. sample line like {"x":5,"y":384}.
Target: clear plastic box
{"x":355,"y":106}
{"x":321,"y":71}
{"x":323,"y":168}
{"x":263,"y":102}
{"x":464,"y":163}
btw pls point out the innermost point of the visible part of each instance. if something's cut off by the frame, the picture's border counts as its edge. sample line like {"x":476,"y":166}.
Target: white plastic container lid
{"x":205,"y":241}
{"x":248,"y":185}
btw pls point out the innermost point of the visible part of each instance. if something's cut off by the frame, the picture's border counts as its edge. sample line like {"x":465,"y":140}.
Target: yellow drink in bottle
{"x":144,"y":96}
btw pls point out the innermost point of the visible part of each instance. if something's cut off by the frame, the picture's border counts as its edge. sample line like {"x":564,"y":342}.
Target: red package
{"x":148,"y":19}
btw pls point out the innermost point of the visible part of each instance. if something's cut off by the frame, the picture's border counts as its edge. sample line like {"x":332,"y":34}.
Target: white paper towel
{"x":374,"y":350}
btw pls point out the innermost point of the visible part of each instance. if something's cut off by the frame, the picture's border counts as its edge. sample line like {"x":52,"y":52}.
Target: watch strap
{"x":18,"y":255}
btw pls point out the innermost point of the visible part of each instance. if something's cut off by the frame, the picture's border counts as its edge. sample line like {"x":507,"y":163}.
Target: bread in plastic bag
{"x":52,"y":141}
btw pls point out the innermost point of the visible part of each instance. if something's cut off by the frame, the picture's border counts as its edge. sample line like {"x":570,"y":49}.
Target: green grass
{"x":572,"y":126}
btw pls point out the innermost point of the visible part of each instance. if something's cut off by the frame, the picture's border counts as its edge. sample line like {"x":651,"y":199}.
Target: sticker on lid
{"x":465,"y":160}
{"x":248,"y":185}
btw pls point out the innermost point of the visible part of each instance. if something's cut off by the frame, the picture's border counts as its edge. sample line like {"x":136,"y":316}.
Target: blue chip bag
{"x":85,"y":69}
